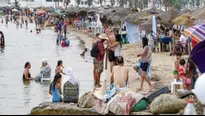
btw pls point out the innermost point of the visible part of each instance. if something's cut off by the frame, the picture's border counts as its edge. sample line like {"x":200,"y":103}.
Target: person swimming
{"x":27,"y":74}
{"x":55,"y":88}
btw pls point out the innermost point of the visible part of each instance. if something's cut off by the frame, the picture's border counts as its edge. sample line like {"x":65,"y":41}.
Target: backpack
{"x":94,"y":51}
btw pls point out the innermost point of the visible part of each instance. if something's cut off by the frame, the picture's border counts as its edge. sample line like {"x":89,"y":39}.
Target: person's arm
{"x":26,"y":75}
{"x":149,"y":55}
{"x":114,"y":45}
{"x":112,"y":76}
{"x":127,"y":75}
{"x":59,"y":88}
{"x":50,"y":92}
{"x":175,"y":65}
{"x":142,"y":52}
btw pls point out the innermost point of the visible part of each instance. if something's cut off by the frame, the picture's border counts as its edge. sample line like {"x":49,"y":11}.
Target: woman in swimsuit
{"x":27,"y":74}
{"x":144,"y":64}
{"x":59,"y":67}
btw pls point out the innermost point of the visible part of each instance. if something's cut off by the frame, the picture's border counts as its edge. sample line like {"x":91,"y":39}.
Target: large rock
{"x":68,"y":109}
{"x":87,"y":100}
{"x":166,"y":104}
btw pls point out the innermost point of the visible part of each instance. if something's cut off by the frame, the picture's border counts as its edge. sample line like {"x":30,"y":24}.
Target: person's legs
{"x":94,"y":72}
{"x":99,"y":70}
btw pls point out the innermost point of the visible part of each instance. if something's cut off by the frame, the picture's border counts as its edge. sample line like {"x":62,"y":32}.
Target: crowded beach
{"x":143,"y":55}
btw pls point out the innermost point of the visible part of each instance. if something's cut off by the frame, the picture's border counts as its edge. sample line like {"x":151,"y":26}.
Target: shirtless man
{"x":111,"y":53}
{"x":120,"y":74}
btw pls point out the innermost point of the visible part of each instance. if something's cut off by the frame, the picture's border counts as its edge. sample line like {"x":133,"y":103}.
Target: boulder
{"x":69,"y":109}
{"x":167,"y":104}
{"x":60,"y":109}
{"x":87,"y":100}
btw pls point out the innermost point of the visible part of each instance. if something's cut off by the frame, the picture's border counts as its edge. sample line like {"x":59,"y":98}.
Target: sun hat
{"x":45,"y":61}
{"x":69,"y":71}
{"x":103,"y":36}
{"x":101,"y":92}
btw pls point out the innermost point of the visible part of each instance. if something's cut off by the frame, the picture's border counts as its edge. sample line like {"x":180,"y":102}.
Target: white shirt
{"x":183,"y":40}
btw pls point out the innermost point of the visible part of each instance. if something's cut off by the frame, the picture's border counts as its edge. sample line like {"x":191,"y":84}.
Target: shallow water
{"x":17,"y":97}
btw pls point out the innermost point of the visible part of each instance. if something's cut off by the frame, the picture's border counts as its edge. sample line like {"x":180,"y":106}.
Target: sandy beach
{"x":161,"y":68}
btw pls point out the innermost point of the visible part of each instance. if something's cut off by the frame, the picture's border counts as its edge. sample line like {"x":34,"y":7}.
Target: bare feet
{"x":139,"y":89}
{"x":150,"y":88}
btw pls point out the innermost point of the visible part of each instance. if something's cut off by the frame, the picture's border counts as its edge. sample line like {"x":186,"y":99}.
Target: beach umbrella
{"x":14,"y":10}
{"x":41,"y":12}
{"x":198,"y":56}
{"x":199,"y":14}
{"x":197,"y":33}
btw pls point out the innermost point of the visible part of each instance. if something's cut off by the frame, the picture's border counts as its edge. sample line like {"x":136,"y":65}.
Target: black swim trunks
{"x":144,"y":66}
{"x":111,"y":56}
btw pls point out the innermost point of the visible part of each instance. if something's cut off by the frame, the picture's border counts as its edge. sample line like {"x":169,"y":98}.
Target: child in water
{"x":83,"y":53}
{"x":55,"y":88}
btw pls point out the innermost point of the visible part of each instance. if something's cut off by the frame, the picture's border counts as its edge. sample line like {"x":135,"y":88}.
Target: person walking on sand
{"x":120,"y":74}
{"x":144,"y":65}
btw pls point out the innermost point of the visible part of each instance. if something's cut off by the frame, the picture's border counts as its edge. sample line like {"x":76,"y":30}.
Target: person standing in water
{"x":2,"y":40}
{"x":59,"y":67}
{"x":55,"y":88}
{"x":26,"y":73}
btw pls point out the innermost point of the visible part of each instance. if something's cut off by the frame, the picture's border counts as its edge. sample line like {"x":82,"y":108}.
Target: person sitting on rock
{"x":120,"y":74}
{"x":70,"y":87}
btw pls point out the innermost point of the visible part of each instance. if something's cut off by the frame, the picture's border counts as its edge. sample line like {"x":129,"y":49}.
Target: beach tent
{"x":133,"y":33}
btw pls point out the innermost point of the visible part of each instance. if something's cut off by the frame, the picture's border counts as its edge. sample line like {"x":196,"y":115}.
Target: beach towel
{"x":124,"y":101}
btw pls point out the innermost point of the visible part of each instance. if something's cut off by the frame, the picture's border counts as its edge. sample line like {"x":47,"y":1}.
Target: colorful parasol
{"x":41,"y":12}
{"x":197,"y":33}
{"x":198,"y":56}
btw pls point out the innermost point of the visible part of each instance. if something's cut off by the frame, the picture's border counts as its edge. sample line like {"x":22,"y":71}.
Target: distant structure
{"x":59,"y":3}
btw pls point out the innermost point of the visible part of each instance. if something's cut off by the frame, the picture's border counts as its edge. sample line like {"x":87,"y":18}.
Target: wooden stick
{"x":106,"y":60}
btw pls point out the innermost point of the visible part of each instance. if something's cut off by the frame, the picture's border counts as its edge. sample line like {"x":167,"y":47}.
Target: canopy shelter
{"x":168,"y":15}
{"x":184,"y":19}
{"x":197,"y":33}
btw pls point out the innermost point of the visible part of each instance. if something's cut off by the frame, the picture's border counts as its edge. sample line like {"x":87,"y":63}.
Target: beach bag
{"x":151,"y":97}
{"x":94,"y":51}
{"x":141,"y":105}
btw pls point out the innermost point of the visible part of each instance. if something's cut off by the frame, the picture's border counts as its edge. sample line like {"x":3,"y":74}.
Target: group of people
{"x":119,"y":73}
{"x":61,"y":30}
{"x":185,"y":72}
{"x":60,"y":86}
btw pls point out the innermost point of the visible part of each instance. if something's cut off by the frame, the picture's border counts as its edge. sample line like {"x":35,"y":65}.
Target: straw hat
{"x":103,"y":36}
{"x":99,"y":93}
